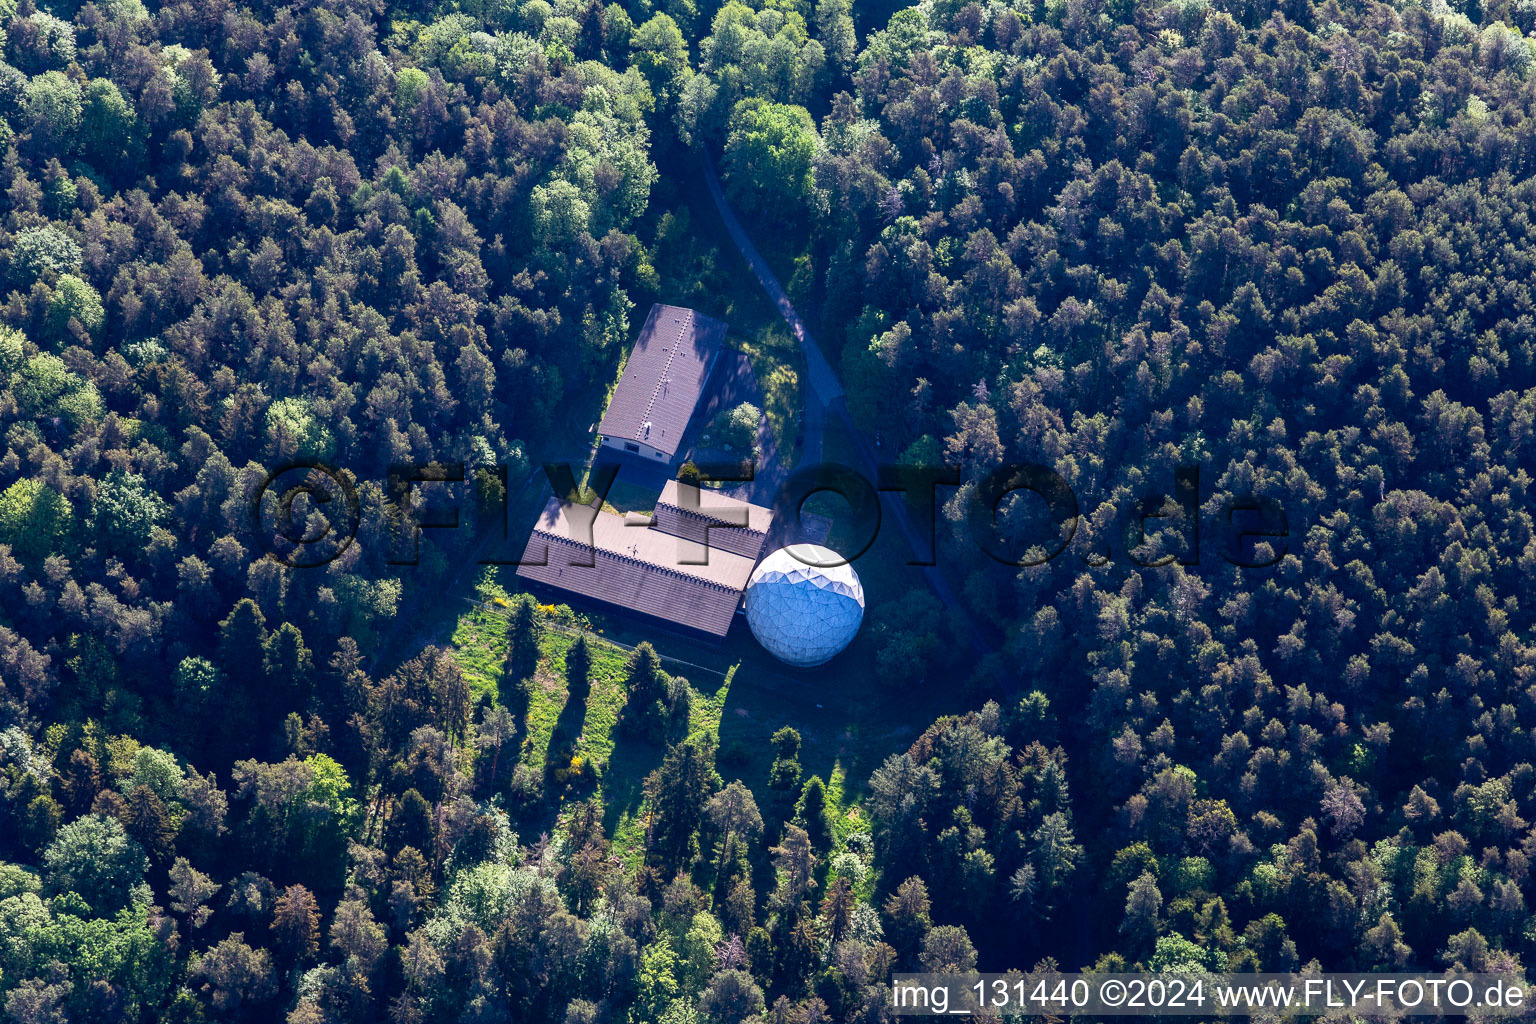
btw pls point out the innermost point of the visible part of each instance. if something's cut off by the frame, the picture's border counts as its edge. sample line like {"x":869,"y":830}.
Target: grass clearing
{"x":573,"y":738}
{"x":849,"y":716}
{"x":734,"y":294}
{"x":740,"y":698}
{"x":850,"y":719}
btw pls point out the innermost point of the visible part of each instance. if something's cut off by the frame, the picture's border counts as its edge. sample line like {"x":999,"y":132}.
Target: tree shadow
{"x":762,"y":701}
{"x":634,"y":757}
{"x":512,"y":693}
{"x":568,"y":725}
{"x":847,"y":718}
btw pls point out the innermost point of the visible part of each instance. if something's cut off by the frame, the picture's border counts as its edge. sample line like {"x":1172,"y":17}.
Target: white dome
{"x":804,"y":613}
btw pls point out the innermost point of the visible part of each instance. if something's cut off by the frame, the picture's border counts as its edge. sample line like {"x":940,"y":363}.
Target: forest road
{"x":827,"y":392}
{"x":823,"y":378}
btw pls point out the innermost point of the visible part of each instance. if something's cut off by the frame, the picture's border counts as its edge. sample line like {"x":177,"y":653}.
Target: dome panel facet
{"x":802,"y":608}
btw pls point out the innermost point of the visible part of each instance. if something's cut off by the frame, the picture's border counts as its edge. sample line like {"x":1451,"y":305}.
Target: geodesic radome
{"x":804,"y":613}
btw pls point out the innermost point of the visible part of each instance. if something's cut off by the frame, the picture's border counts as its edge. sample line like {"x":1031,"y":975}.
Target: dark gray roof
{"x":716,"y":518}
{"x":632,"y":584}
{"x":663,"y":378}
{"x":640,"y":565}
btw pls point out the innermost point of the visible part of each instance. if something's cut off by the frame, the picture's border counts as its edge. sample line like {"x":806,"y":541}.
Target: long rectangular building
{"x":684,"y":565}
{"x":661,"y":383}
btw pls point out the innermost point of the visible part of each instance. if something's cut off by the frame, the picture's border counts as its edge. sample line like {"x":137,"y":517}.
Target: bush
{"x":94,"y":858}
{"x":126,"y":511}
{"x":294,"y":429}
{"x":769,"y":156}
{"x":110,"y":134}
{"x":13,"y":90}
{"x":56,"y":34}
{"x":737,"y":428}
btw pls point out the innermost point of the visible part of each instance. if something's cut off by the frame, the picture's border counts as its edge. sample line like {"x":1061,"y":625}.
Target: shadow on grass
{"x":573,"y":713}
{"x":512,"y":694}
{"x":828,"y":715}
{"x":633,"y":758}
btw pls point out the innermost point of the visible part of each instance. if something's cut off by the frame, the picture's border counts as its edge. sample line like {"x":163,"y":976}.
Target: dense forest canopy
{"x":1291,"y":245}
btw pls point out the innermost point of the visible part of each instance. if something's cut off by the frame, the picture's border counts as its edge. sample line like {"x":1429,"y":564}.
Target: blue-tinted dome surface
{"x":803,"y":613}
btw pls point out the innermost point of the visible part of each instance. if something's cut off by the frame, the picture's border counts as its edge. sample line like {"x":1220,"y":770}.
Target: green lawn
{"x":848,"y":720}
{"x":575,"y":741}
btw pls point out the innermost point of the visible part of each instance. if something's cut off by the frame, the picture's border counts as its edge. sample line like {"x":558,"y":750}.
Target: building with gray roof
{"x":662,"y":380}
{"x":686,"y":564}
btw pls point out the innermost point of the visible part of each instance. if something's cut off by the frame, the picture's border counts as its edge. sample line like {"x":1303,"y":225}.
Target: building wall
{"x":635,"y":448}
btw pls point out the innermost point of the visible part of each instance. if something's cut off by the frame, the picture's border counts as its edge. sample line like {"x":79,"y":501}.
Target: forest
{"x":1281,"y":243}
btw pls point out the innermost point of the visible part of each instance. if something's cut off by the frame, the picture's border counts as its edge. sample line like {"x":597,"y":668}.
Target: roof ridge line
{"x":657,"y":566}
{"x":714,"y":519}
{"x":665,"y":370}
